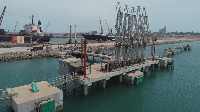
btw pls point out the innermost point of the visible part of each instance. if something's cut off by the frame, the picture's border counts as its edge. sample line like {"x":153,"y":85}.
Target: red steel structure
{"x":83,"y":55}
{"x":153,"y":48}
{"x":1,"y":18}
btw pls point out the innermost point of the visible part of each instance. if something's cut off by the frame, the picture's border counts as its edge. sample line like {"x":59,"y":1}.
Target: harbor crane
{"x":108,"y":28}
{"x":47,"y":26}
{"x":16,"y":25}
{"x":1,"y":18}
{"x":101,"y":26}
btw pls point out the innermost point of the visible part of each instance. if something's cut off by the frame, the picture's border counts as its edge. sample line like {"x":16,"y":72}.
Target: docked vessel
{"x":31,"y":33}
{"x":23,"y":39}
{"x":97,"y":36}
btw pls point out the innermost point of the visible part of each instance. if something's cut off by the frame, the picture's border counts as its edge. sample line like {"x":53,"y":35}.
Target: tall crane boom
{"x":101,"y":26}
{"x":47,"y":26}
{"x":108,"y":27}
{"x":16,"y":25}
{"x":1,"y":18}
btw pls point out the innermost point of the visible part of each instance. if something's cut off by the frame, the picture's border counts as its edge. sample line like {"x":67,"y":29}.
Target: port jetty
{"x":123,"y":59}
{"x":76,"y":72}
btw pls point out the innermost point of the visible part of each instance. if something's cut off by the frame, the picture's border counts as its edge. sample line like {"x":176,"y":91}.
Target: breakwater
{"x":29,"y":55}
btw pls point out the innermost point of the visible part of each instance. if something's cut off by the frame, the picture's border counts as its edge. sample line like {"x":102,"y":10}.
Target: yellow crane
{"x":101,"y":26}
{"x":108,"y":27}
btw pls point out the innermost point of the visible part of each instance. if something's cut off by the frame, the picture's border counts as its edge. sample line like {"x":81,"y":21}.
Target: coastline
{"x":173,"y":41}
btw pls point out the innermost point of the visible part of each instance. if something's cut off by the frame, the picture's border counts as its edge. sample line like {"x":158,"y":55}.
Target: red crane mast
{"x":83,"y":55}
{"x":1,"y":18}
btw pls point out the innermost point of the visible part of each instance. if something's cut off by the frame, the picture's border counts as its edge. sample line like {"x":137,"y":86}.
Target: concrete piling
{"x":120,"y":78}
{"x":85,"y":90}
{"x":104,"y":83}
{"x":74,"y":85}
{"x":152,"y":66}
{"x":142,"y":69}
{"x":146,"y":69}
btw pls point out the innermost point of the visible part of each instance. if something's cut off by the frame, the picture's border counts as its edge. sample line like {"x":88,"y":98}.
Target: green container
{"x":52,"y":102}
{"x":118,"y":69}
{"x":34,"y":86}
{"x":45,"y":105}
{"x":52,"y":109}
{"x":160,"y":56}
{"x":48,"y":107}
{"x":139,"y":79}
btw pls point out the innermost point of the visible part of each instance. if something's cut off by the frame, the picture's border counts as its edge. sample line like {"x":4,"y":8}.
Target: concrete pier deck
{"x":97,"y":74}
{"x":26,"y":94}
{"x":26,"y":99}
{"x":130,"y":77}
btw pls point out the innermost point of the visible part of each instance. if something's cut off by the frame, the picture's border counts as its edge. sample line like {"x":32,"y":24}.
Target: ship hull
{"x":5,"y":38}
{"x":27,"y":39}
{"x":99,"y":37}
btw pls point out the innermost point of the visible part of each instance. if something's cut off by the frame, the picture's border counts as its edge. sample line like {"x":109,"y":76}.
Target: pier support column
{"x":156,"y":65}
{"x":142,"y":69}
{"x":93,"y":59}
{"x":65,"y":84}
{"x":104,"y":83}
{"x":152,"y":66}
{"x":120,"y":78}
{"x":85,"y":90}
{"x":74,"y":86}
{"x":145,"y":70}
{"x":108,"y":67}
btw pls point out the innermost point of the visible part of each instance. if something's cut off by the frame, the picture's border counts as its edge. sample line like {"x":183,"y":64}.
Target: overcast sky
{"x":177,"y":15}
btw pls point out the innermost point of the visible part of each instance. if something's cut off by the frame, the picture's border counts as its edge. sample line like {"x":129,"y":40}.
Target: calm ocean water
{"x":163,"y":90}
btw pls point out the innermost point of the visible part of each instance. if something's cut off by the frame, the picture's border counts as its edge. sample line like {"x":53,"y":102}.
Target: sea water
{"x":163,"y":90}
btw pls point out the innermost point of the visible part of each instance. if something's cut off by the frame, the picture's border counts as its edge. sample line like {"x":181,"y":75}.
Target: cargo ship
{"x":31,"y":33}
{"x":95,"y":36}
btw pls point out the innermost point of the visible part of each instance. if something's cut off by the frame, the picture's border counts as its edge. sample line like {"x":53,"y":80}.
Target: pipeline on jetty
{"x":168,"y":51}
